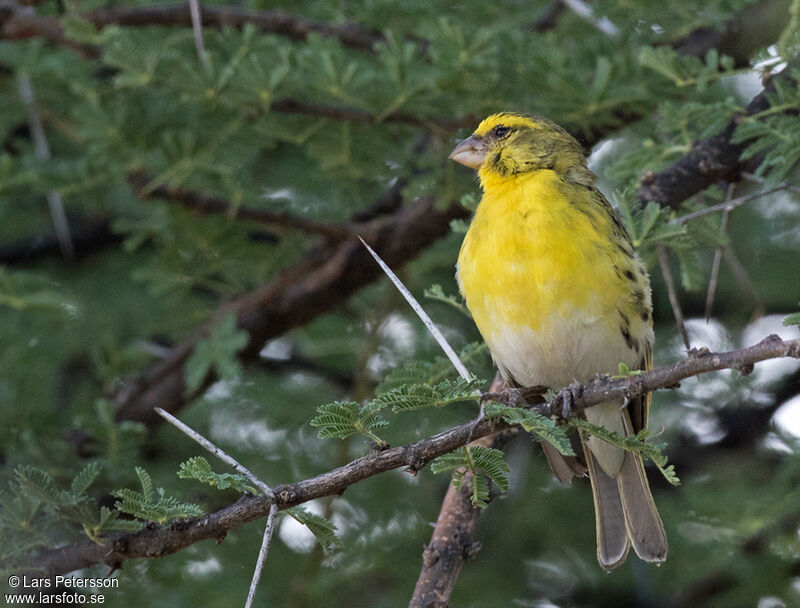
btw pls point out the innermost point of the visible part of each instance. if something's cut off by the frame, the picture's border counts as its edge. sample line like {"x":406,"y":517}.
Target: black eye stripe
{"x":501,"y":131}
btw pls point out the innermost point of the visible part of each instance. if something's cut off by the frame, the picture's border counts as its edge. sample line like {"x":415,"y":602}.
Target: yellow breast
{"x":546,"y":283}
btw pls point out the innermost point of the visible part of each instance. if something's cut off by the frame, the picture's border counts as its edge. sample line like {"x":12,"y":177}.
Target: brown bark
{"x":327,"y":277}
{"x":158,"y":542}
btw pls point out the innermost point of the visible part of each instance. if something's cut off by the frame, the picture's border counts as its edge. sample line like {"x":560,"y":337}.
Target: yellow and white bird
{"x":558,"y":293}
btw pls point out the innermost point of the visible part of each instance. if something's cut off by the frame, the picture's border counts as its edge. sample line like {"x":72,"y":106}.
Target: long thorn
{"x":663,"y":261}
{"x":41,"y":150}
{"x":437,"y":335}
{"x":262,"y":554}
{"x":729,"y":204}
{"x":585,"y":12}
{"x":744,"y":281}
{"x":760,"y":180}
{"x":218,"y":452}
{"x":197,"y":28}
{"x":714,"y":279}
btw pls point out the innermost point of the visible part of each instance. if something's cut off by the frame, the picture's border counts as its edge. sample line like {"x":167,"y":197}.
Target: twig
{"x":712,"y":282}
{"x":740,"y":274}
{"x":585,"y":12}
{"x":412,"y":301}
{"x":325,"y":277}
{"x":239,"y":468}
{"x":752,"y":177}
{"x":218,"y":452}
{"x":666,"y":272}
{"x":42,"y":151}
{"x":164,"y":541}
{"x":197,"y":28}
{"x":22,"y":24}
{"x":262,"y":554}
{"x":730,"y":205}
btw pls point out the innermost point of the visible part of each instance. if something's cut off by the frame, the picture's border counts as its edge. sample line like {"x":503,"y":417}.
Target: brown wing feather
{"x":639,"y":408}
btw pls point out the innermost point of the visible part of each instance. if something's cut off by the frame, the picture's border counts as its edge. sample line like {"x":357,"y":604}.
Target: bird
{"x":551,"y":278}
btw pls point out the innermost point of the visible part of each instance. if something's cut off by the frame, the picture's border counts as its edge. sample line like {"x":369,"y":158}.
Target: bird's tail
{"x":625,"y":513}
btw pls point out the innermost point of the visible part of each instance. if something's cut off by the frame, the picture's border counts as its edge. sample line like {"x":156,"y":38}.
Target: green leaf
{"x":685,"y":70}
{"x":775,"y":137}
{"x":29,"y":291}
{"x":217,"y":352}
{"x":483,"y":462}
{"x":792,"y":319}
{"x":418,"y":396}
{"x":541,"y":427}
{"x":633,"y":443}
{"x":624,"y":371}
{"x":343,"y":419}
{"x":85,"y":478}
{"x":199,"y":468}
{"x":431,"y":372}
{"x":40,"y":485}
{"x":152,"y":505}
{"x":435,"y":292}
{"x":322,"y":529}
{"x":148,"y":492}
{"x":491,"y":462}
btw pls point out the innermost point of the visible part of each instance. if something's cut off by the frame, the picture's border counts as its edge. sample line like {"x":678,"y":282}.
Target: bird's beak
{"x":471,"y":152}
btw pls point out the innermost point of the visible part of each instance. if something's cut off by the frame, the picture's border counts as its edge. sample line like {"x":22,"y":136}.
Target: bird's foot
{"x":563,"y":405}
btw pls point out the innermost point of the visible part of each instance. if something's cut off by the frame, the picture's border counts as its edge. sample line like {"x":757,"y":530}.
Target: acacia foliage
{"x":316,"y":129}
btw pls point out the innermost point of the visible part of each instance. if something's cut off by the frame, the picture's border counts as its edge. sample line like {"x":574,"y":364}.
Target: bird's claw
{"x":563,"y":405}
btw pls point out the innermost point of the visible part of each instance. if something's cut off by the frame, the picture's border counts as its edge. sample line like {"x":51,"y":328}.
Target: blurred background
{"x":177,"y":211}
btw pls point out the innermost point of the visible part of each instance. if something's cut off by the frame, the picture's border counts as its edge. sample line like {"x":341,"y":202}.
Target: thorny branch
{"x":328,"y":275}
{"x":453,"y":540}
{"x":334,"y":272}
{"x":710,"y":160}
{"x":19,"y":22}
{"x":22,"y":23}
{"x":204,"y":204}
{"x":158,"y":542}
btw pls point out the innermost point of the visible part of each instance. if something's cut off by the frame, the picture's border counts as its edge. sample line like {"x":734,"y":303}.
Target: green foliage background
{"x":74,"y":334}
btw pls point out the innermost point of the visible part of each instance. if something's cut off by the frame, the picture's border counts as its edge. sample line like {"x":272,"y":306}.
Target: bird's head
{"x":508,"y":144}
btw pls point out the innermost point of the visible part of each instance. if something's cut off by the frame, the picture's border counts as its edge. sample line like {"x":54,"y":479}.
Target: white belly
{"x":564,"y":349}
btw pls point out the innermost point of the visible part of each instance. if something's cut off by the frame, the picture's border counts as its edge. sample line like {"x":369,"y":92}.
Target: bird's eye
{"x":501,"y":131}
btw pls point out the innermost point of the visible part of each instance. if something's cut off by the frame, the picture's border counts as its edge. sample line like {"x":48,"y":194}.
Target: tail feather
{"x":642,"y":520}
{"x":563,"y":467}
{"x":609,"y":513}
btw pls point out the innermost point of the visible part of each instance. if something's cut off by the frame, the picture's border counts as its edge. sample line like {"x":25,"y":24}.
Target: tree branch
{"x":207,"y":205}
{"x":453,"y":539}
{"x":757,"y":25}
{"x":710,"y":160}
{"x":18,"y":22}
{"x":22,"y":23}
{"x":158,"y":542}
{"x":328,"y":275}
